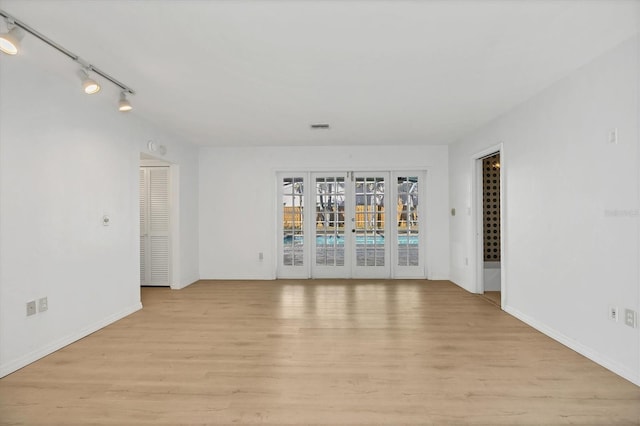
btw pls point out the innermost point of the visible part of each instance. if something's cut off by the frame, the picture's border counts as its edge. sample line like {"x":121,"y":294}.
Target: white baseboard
{"x":438,"y":278}
{"x":594,"y":356}
{"x":33,"y":356}
{"x":239,"y":277}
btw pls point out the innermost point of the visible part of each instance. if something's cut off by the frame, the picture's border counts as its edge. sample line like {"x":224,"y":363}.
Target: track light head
{"x":10,"y":41}
{"x":124,"y":105}
{"x":89,"y":85}
{"x":10,"y":44}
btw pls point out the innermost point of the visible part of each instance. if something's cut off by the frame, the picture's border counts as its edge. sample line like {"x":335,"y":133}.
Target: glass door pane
{"x":292,"y":237}
{"x":330,"y":221}
{"x":409,"y":255}
{"x":369,"y":227}
{"x":370,"y":239}
{"x":408,"y":229}
{"x":293,"y":221}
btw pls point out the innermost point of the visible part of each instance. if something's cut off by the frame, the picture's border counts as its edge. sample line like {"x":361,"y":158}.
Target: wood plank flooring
{"x":493,"y":297}
{"x":317,"y":352}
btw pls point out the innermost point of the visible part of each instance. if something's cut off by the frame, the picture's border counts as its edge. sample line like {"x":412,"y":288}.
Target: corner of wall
{"x":11,"y":366}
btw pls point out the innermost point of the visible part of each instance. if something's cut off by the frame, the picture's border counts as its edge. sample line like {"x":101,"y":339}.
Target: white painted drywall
{"x":570,"y":208}
{"x":67,"y":159}
{"x":238,"y":195}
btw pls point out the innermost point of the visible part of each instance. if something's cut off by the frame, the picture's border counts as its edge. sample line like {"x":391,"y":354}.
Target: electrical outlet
{"x":613,"y":313}
{"x":43,"y":304}
{"x":630,"y":318}
{"x":31,"y":308}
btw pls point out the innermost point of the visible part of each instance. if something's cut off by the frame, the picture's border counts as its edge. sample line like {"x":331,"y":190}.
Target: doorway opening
{"x":491,"y":252}
{"x":357,"y":225}
{"x":489,"y":232}
{"x":155,"y":223}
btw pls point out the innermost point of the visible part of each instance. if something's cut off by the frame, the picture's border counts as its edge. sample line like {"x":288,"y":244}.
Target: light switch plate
{"x":630,"y":318}
{"x":43,"y":304}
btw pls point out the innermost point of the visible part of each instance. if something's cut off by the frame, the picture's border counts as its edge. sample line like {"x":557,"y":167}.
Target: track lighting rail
{"x":66,"y":52}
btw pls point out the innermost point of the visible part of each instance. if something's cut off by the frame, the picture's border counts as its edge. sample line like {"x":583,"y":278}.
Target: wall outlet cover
{"x":31,"y":308}
{"x":631,"y":318}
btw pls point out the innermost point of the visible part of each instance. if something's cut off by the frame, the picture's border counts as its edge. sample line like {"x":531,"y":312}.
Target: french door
{"x":350,"y":225}
{"x":408,"y":225}
{"x":330,"y":234}
{"x":368,"y":225}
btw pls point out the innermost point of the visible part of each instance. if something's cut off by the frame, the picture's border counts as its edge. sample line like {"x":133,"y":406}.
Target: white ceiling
{"x":379,"y":72}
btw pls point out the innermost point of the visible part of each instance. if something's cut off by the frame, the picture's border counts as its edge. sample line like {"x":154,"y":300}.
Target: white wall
{"x":66,"y":159}
{"x":238,"y":195}
{"x":567,"y":256}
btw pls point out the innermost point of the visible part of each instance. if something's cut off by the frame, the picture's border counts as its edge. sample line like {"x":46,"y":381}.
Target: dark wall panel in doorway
{"x":491,"y":207}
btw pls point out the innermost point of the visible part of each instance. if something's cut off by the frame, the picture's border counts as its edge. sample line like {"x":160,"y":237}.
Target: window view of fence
{"x":330,"y":220}
{"x":293,"y":221}
{"x":407,"y":224}
{"x":369,"y":221}
{"x":366,"y":227}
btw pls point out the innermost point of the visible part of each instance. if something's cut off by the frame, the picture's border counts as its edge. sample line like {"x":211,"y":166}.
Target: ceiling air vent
{"x":320,"y":126}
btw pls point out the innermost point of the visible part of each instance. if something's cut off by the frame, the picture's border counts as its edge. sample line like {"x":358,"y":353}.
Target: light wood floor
{"x":317,"y":352}
{"x":493,"y":297}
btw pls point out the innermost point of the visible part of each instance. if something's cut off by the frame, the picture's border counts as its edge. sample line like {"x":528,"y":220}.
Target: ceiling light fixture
{"x":89,"y":85}
{"x":124,"y":105}
{"x":10,"y":41}
{"x":10,"y":44}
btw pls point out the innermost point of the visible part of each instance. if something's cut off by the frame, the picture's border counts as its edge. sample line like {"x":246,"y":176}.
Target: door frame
{"x":420,"y":271}
{"x":305,"y":271}
{"x":316,"y":271}
{"x":284,"y":271}
{"x":477,"y":225}
{"x":174,"y":226}
{"x":146,"y":160}
{"x":385,"y":271}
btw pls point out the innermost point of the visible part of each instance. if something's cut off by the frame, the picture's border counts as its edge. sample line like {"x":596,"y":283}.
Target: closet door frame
{"x":170,"y":231}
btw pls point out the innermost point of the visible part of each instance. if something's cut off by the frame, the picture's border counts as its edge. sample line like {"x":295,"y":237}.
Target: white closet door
{"x":155,"y":222}
{"x":144,"y":206}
